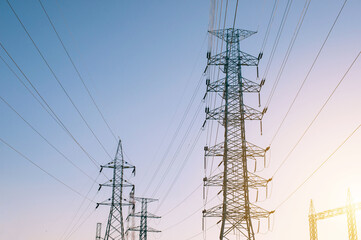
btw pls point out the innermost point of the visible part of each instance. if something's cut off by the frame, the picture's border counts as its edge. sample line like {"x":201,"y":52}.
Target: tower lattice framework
{"x":348,"y":210}
{"x":115,"y":225}
{"x":236,"y":212}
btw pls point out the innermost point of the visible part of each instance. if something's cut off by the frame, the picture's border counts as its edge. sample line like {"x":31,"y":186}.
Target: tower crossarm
{"x":237,"y":34}
{"x":335,"y":212}
{"x":138,"y":229}
{"x":114,"y":203}
{"x":252,"y":114}
{"x":255,"y":181}
{"x":349,"y":210}
{"x":259,"y":213}
{"x":215,"y":211}
{"x":116,"y":185}
{"x":216,"y":150}
{"x":213,"y":181}
{"x":252,"y":150}
{"x":111,"y":164}
{"x":251,"y":87}
{"x":148,"y":215}
{"x":248,"y":59}
{"x":256,"y":212}
{"x":245,"y":59}
{"x":233,"y":117}
{"x":248,"y":86}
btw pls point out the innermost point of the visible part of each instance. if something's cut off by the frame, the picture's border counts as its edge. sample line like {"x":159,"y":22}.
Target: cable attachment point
{"x":208,"y":55}
{"x":264,"y":111}
{"x":262,"y":82}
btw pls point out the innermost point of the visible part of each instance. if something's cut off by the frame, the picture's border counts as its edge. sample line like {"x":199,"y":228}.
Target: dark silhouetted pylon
{"x":236,"y":212}
{"x":115,"y":224}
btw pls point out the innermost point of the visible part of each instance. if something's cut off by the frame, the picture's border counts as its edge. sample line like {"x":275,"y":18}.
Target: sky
{"x":143,"y":63}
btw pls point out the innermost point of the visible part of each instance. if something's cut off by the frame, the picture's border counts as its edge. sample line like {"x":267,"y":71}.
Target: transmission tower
{"x":348,"y":210}
{"x":143,"y":229}
{"x":236,"y":212}
{"x":98,"y":232}
{"x":115,"y":224}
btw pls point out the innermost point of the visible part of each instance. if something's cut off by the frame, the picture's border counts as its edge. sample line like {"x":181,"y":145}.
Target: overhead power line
{"x":316,"y":116}
{"x":183,"y":200}
{"x":57,"y":79}
{"x":185,"y":114}
{"x":79,"y":208}
{"x":269,"y":26}
{"x":77,"y":71}
{"x":180,"y":170}
{"x":172,"y":121}
{"x":175,"y":155}
{"x":46,"y":140}
{"x":43,"y":170}
{"x":186,"y":198}
{"x":196,"y":139}
{"x":309,"y":71}
{"x":196,"y":235}
{"x":278,"y":36}
{"x":80,"y":225}
{"x":318,"y":168}
{"x":76,"y":226}
{"x":46,"y":107}
{"x":288,"y":52}
{"x":235,"y":15}
{"x":189,"y":216}
{"x":210,"y":126}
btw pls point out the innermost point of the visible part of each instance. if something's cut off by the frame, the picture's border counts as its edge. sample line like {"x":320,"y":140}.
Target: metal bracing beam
{"x":349,"y":210}
{"x":335,"y":212}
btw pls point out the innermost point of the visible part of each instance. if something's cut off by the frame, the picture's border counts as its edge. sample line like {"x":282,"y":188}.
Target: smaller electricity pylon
{"x":115,"y":224}
{"x":349,"y":210}
{"x":98,"y":232}
{"x":143,"y":229}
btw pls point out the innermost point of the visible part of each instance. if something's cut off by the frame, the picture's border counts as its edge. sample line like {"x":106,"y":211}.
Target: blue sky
{"x":142,"y":61}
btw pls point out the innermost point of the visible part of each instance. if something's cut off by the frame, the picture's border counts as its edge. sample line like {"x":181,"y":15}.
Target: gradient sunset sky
{"x":143,"y":61}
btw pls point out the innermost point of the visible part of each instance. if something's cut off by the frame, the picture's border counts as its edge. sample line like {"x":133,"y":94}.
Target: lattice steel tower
{"x":143,"y":229}
{"x":115,"y":224}
{"x":235,"y":179}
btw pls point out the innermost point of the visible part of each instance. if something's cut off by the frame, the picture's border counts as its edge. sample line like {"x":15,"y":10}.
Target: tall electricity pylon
{"x":236,"y":211}
{"x":143,"y":229}
{"x":115,"y":224}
